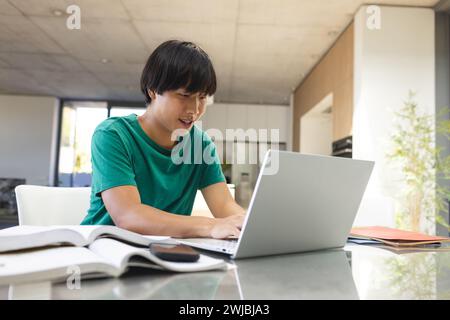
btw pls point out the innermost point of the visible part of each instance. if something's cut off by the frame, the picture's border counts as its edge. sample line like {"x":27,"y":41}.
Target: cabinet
{"x":235,"y":116}
{"x":257,"y":119}
{"x":277,"y":118}
{"x":215,"y":118}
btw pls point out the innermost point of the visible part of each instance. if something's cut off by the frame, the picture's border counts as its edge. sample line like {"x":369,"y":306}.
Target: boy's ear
{"x":151,"y":93}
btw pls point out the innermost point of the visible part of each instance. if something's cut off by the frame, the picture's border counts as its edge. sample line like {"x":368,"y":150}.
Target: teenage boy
{"x":136,"y":184}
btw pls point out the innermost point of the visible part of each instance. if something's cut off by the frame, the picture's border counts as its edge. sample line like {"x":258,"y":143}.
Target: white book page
{"x":119,"y":254}
{"x":85,"y":231}
{"x":91,"y":233}
{"x":21,"y":230}
{"x":51,"y":263}
{"x":114,"y":251}
{"x":23,"y":237}
{"x":126,"y":235}
{"x":156,"y":238}
{"x":26,"y":230}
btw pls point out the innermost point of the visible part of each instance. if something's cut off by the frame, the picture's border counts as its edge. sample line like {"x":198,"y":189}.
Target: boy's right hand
{"x":225,"y":228}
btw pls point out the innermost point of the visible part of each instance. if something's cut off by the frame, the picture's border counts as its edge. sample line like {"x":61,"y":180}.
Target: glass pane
{"x":88,"y":118}
{"x":66,"y":154}
{"x":78,"y":124}
{"x":123,"y":111}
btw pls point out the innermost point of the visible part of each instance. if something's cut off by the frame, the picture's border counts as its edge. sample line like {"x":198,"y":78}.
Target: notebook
{"x":392,"y":237}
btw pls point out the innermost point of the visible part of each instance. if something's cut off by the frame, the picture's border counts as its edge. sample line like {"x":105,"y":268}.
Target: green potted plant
{"x":421,"y":162}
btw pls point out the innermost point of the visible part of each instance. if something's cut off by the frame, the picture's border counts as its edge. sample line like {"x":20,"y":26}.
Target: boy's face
{"x":178,"y":109}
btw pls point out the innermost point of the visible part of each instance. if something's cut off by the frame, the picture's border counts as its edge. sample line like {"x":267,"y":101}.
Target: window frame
{"x":110,"y":104}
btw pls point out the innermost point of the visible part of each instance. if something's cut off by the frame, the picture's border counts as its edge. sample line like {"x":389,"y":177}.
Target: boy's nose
{"x":193,"y":107}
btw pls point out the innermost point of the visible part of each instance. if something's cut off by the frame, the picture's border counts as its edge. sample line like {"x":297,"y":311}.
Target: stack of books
{"x":398,"y":240}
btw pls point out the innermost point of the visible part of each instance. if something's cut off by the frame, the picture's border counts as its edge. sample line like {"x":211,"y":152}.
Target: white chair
{"x":43,"y":206}
{"x":200,"y":207}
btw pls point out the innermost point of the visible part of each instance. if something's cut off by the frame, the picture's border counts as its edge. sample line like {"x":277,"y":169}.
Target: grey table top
{"x":354,"y":272}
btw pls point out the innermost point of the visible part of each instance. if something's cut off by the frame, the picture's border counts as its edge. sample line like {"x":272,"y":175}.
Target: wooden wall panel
{"x":333,"y":74}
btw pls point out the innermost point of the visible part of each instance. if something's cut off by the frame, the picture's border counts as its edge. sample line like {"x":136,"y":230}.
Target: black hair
{"x":178,"y":64}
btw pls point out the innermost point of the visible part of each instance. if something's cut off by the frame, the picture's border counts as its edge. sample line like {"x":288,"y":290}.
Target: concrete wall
{"x":28,"y":138}
{"x":389,"y":62}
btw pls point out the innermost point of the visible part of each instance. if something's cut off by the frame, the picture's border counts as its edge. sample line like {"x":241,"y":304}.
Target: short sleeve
{"x":111,"y":163}
{"x":211,"y":168}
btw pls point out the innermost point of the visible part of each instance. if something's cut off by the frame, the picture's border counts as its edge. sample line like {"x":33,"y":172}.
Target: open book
{"x":27,"y":237}
{"x":102,"y":258}
{"x":393,"y":237}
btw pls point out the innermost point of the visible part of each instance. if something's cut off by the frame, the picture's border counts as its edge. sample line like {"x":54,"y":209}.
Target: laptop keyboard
{"x":225,"y":244}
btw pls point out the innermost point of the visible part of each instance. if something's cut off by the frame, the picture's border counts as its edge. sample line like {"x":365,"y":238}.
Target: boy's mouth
{"x":186,"y":122}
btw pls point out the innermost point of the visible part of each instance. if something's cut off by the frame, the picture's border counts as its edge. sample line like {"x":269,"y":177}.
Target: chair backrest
{"x":200,"y":207}
{"x":43,"y":206}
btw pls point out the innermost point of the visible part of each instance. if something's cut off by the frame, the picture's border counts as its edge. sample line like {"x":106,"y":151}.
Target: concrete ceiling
{"x":261,"y":49}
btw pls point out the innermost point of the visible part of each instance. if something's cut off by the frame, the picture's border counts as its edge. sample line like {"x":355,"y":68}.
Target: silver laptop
{"x":300,"y":203}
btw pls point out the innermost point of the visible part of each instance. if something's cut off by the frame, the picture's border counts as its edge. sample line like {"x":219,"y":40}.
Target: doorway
{"x":316,"y":128}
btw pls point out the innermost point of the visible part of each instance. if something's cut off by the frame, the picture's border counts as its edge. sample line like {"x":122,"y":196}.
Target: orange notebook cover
{"x":395,"y":237}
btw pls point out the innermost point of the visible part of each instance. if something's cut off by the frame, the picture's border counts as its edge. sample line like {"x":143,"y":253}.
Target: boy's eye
{"x":187,"y":95}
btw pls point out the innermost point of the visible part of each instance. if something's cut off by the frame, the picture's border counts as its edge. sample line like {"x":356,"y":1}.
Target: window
{"x":78,"y":123}
{"x":79,"y":120}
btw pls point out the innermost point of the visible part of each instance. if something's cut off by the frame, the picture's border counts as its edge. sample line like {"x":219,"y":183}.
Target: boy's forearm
{"x":148,"y":220}
{"x":230,"y":208}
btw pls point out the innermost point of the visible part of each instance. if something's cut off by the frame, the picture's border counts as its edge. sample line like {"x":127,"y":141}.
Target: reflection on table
{"x":355,"y":272}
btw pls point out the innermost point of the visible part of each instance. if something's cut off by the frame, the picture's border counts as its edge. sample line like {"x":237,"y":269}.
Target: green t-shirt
{"x":123,"y":154}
